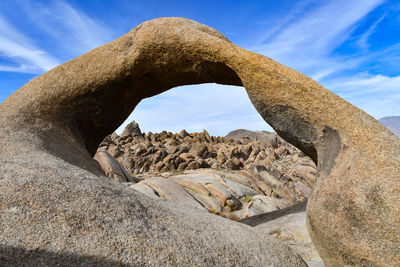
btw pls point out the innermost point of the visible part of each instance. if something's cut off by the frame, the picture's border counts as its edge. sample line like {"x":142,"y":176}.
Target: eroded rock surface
{"x":272,"y":167}
{"x":56,"y":206}
{"x":272,"y":174}
{"x":292,"y":230}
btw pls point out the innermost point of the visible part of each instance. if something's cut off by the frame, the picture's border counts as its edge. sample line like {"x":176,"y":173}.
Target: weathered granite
{"x":56,"y":205}
{"x":53,"y":197}
{"x":292,"y":229}
{"x":112,"y":168}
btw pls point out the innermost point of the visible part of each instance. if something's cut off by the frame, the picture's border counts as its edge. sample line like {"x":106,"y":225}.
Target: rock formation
{"x":271,"y":175}
{"x":57,"y":207}
{"x":272,"y":166}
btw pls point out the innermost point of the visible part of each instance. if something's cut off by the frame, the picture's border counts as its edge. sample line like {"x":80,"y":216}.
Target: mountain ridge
{"x":392,"y":123}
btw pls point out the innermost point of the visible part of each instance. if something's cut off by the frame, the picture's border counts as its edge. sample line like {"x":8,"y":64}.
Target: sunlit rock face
{"x":271,"y":168}
{"x":57,"y":207}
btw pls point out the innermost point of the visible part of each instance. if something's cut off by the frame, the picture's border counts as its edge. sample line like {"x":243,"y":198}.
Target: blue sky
{"x":350,"y":47}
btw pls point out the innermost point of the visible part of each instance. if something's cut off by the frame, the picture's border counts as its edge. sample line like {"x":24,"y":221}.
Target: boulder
{"x":58,"y":208}
{"x":262,"y":204}
{"x":112,"y":168}
{"x":292,"y":230}
{"x":171,"y":191}
{"x":264,"y":136}
{"x":202,"y":195}
{"x":132,"y":130}
{"x":144,"y":189}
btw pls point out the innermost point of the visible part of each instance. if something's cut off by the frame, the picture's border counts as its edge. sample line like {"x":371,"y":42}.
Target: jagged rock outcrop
{"x":57,"y":207}
{"x":272,"y":174}
{"x":273,"y":167}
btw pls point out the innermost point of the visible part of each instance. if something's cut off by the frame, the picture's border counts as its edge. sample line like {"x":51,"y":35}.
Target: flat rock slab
{"x":172,"y":191}
{"x":292,"y":230}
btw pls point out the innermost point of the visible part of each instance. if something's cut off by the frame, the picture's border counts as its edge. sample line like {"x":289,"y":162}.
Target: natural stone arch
{"x":64,"y":114}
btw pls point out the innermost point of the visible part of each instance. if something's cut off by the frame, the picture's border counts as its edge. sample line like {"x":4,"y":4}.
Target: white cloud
{"x":363,"y":41}
{"x":70,"y":27}
{"x":378,"y":95}
{"x":217,"y":108}
{"x":306,"y":44}
{"x":20,"y":49}
{"x":72,"y":30}
{"x":22,"y":68}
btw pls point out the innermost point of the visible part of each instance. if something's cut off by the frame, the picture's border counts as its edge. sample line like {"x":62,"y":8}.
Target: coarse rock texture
{"x":112,"y":168}
{"x":272,"y":173}
{"x":271,"y":167}
{"x":226,"y":194}
{"x":292,"y":230}
{"x":57,"y":207}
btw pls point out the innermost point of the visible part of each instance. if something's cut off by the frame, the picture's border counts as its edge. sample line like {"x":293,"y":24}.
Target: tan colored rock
{"x":115,"y":151}
{"x":57,"y":208}
{"x":292,"y":230}
{"x":201,"y":194}
{"x":144,"y":189}
{"x":171,"y":191}
{"x":52,"y":126}
{"x":233,"y":164}
{"x":218,"y":192}
{"x":306,"y":172}
{"x":187,"y":157}
{"x":193,"y":165}
{"x":221,"y":157}
{"x":182,"y":167}
{"x":132,"y":130}
{"x":263,"y":204}
{"x":240,"y":189}
{"x":112,"y":168}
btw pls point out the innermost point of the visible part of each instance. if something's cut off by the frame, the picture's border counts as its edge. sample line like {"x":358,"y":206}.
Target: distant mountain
{"x":262,"y":136}
{"x":392,"y":123}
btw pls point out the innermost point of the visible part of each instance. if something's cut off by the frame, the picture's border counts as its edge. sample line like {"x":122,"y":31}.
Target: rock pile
{"x":272,"y":167}
{"x":238,"y":176}
{"x":234,"y":178}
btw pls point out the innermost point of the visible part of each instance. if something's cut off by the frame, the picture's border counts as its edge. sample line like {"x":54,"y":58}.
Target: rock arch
{"x":52,"y":126}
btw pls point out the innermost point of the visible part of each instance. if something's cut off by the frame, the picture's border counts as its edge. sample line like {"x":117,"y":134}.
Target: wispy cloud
{"x":363,"y":41}
{"x":69,"y":26}
{"x":378,"y":95}
{"x":20,"y":49}
{"x":69,"y":29}
{"x":217,"y":108}
{"x":21,"y":68}
{"x":306,"y":42}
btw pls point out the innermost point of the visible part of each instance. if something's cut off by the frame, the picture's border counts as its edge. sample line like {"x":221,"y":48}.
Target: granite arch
{"x":64,"y":114}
